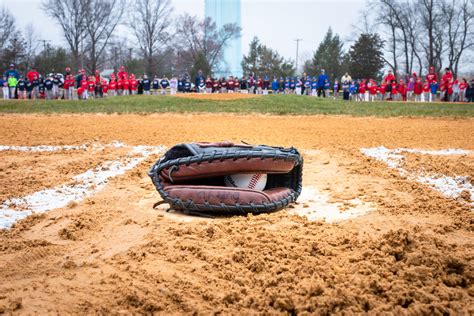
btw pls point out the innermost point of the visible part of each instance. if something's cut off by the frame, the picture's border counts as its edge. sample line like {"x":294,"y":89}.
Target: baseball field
{"x":385,"y":222}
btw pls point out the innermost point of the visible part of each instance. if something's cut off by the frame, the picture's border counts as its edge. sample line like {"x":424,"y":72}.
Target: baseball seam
{"x":254,"y":180}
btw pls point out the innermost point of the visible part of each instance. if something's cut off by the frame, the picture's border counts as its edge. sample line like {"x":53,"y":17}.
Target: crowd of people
{"x":68,"y":86}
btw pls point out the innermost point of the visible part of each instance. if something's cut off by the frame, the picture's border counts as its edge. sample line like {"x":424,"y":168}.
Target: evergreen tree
{"x":366,"y":57}
{"x":329,"y":56}
{"x":262,"y":60}
{"x":52,"y":58}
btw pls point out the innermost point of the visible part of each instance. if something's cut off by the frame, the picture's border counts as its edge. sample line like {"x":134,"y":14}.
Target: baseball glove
{"x":190,"y":177}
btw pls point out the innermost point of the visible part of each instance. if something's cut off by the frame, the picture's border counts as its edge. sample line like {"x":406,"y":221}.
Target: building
{"x":223,"y":12}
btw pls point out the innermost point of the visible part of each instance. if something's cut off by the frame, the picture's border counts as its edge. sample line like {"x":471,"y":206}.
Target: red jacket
{"x":447,"y":77}
{"x":389,"y":78}
{"x":431,"y":77}
{"x":418,"y":88}
{"x":402,"y":88}
{"x":31,"y":75}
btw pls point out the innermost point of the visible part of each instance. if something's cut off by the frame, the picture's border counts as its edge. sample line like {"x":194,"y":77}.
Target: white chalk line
{"x":85,"y":184}
{"x":48,"y":148}
{"x":451,"y":187}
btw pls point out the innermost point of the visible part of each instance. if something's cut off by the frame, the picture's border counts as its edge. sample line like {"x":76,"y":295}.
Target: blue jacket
{"x":434,"y":88}
{"x":321,"y":80}
{"x":275,"y":85}
{"x":12,"y":72}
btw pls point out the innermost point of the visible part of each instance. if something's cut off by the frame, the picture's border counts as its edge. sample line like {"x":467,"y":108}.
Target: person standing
{"x":390,"y":77}
{"x":146,"y":85}
{"x":12,"y":72}
{"x":447,"y":84}
{"x":462,"y":87}
{"x":173,"y":85}
{"x":165,"y":83}
{"x":321,"y":83}
{"x":12,"y":83}
{"x":418,"y":89}
{"x":5,"y":89}
{"x":22,"y":88}
{"x":198,"y":79}
{"x":48,"y":86}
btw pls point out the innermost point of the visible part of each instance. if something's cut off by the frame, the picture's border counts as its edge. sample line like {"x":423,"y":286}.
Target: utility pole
{"x":44,"y":44}
{"x":298,"y":40}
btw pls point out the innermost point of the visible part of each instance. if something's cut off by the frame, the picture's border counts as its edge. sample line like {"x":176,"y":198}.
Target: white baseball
{"x":253,"y":181}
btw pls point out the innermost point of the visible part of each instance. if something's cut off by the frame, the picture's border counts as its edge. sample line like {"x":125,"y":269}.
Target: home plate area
{"x":44,"y":178}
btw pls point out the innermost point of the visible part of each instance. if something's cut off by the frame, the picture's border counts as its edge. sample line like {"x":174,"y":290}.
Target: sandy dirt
{"x":411,"y":250}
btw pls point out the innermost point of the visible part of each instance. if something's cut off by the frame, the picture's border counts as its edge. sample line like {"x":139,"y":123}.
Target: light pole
{"x":298,"y":40}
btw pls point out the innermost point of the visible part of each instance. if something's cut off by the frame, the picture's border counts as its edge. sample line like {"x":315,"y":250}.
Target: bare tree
{"x":101,"y":19}
{"x":69,"y":14}
{"x":31,"y":45}
{"x":201,"y":41}
{"x":7,"y":27}
{"x":459,"y":23}
{"x":150,"y":22}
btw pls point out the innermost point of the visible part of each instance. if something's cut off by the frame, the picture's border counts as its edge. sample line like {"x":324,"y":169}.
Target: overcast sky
{"x":275,"y":22}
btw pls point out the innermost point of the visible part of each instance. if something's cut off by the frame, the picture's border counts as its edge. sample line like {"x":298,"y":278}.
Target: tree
{"x":101,"y":19}
{"x":69,"y":14}
{"x":14,"y":52}
{"x":31,"y":45}
{"x":150,"y":22}
{"x":52,"y":58}
{"x":202,"y":39}
{"x":366,"y":57}
{"x":329,"y":56}
{"x":459,"y":21}
{"x":7,"y":27}
{"x":262,"y":60}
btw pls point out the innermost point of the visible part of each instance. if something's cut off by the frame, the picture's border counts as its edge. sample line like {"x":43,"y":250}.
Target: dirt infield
{"x":385,"y":221}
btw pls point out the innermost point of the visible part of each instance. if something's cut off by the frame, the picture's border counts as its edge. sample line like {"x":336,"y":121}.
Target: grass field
{"x":280,"y":105}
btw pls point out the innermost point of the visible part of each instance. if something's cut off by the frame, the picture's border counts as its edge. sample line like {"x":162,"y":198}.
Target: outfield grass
{"x":278,"y":104}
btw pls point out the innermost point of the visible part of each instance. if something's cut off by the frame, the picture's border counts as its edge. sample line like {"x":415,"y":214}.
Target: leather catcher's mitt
{"x":190,"y":177}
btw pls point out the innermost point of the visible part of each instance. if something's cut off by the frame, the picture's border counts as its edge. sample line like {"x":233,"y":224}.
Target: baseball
{"x":253,"y":181}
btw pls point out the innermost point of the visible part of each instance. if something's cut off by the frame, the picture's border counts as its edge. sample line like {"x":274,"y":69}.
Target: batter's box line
{"x":52,"y":148}
{"x":84,"y":185}
{"x":450,"y":187}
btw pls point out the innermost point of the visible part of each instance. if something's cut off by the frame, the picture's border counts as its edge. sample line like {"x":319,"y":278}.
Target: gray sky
{"x":275,"y":22}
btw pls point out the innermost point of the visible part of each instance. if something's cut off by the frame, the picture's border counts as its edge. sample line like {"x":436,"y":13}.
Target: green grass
{"x":278,"y":104}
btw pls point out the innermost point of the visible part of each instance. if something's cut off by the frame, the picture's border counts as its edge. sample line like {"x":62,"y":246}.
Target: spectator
{"x":199,"y":78}
{"x":346,"y":79}
{"x":173,"y":85}
{"x":32,"y":73}
{"x":418,"y":89}
{"x":266,"y":85}
{"x":389,"y":77}
{"x":5,"y":89}
{"x":433,"y":90}
{"x":30,"y":93}
{"x":462,"y":87}
{"x":470,"y":92}
{"x":321,"y":82}
{"x":431,"y":76}
{"x":12,"y":83}
{"x":146,"y":85}
{"x":155,"y":85}
{"x":164,"y":83}
{"x":48,"y":85}
{"x":12,"y":72}
{"x":456,"y":91}
{"x":336,"y":88}
{"x":22,"y":89}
